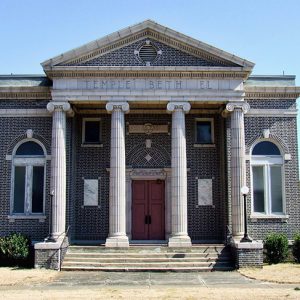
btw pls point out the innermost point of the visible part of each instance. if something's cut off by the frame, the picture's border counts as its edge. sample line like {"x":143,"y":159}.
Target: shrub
{"x":296,"y":247}
{"x":276,"y":245}
{"x":16,"y":246}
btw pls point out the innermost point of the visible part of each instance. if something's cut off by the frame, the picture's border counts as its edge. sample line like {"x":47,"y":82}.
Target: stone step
{"x":147,"y":254}
{"x":144,"y":259}
{"x":148,"y":258}
{"x":153,"y":249}
{"x":144,"y":265}
{"x":147,"y":269}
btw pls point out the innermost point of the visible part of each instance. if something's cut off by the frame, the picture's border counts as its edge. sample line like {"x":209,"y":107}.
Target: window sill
{"x":269,"y":217}
{"x":92,"y":145}
{"x":12,"y":218}
{"x":204,"y":145}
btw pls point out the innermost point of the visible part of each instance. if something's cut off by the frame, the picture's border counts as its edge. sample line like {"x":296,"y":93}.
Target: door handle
{"x":146,"y":219}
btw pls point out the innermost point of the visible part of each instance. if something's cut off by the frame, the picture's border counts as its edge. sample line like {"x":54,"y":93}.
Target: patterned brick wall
{"x":13,"y":130}
{"x":169,"y":57}
{"x":245,"y":258}
{"x":21,"y":104}
{"x":273,"y":103}
{"x":285,"y":129}
{"x":205,"y":223}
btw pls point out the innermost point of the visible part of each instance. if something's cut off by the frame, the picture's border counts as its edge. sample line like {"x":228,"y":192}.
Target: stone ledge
{"x":255,"y":245}
{"x":47,"y":245}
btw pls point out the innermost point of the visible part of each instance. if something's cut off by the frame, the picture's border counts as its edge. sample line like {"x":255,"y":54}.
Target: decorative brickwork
{"x":14,"y":130}
{"x":285,"y":128}
{"x":248,"y":258}
{"x":170,"y":57}
{"x":13,"y":104}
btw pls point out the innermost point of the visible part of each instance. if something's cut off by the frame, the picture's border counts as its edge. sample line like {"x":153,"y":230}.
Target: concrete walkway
{"x":216,"y":279}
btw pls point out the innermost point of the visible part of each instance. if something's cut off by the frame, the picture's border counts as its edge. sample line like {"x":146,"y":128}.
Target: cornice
{"x":290,"y":92}
{"x":25,"y":93}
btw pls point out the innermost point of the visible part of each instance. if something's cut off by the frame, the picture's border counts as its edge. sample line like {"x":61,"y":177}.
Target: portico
{"x":144,"y":126}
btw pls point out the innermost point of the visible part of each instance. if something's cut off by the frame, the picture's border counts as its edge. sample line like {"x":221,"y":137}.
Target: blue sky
{"x":263,"y":31}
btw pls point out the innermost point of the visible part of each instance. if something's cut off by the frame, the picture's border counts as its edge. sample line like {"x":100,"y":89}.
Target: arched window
{"x":28,"y":178}
{"x":267,"y":179}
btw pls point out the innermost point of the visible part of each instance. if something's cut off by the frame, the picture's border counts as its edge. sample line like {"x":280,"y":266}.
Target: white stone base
{"x":180,"y":241}
{"x":117,"y":242}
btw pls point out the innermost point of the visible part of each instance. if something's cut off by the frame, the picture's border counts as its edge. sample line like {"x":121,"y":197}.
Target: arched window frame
{"x":266,"y":161}
{"x":29,"y":161}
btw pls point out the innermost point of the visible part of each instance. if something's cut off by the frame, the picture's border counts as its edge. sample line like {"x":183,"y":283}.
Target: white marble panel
{"x":205,"y":192}
{"x":90,"y":192}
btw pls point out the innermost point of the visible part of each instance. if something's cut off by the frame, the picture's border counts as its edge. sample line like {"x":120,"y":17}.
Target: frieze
{"x":146,"y":84}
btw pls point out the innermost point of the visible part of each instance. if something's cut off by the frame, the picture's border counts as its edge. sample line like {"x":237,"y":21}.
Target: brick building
{"x":148,"y":135}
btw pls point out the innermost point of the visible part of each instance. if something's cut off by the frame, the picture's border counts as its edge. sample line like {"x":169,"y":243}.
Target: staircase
{"x":213,"y":257}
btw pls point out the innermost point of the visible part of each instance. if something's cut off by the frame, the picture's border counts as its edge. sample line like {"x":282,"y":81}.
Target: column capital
{"x":123,"y":106}
{"x":231,"y":106}
{"x":59,"y":106}
{"x":184,"y":106}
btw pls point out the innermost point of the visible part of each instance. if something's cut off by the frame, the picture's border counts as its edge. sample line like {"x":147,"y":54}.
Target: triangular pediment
{"x":122,"y":49}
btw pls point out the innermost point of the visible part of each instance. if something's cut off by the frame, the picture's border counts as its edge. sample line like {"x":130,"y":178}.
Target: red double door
{"x":148,"y":210}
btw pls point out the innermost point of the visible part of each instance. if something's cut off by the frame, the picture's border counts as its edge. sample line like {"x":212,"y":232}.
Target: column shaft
{"x":238,"y":167}
{"x":58,"y":167}
{"x":179,"y":236}
{"x":117,"y":193}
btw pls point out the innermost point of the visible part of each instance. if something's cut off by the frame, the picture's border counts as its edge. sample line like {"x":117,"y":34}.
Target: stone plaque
{"x":148,"y":128}
{"x":90,"y":192}
{"x":205,"y":192}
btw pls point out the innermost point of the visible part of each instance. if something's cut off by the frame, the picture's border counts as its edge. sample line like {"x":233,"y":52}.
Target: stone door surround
{"x":148,"y":174}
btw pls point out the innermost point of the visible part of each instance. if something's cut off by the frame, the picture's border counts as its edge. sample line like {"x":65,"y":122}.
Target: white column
{"x":179,"y":236}
{"x":58,"y":166}
{"x":237,"y":165}
{"x":117,"y":185}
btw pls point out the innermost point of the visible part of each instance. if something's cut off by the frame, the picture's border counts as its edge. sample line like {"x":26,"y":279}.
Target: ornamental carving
{"x":244,"y":106}
{"x":123,"y":106}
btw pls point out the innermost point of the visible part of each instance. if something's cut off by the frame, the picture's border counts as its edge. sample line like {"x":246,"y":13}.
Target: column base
{"x":117,"y":242}
{"x":179,"y":241}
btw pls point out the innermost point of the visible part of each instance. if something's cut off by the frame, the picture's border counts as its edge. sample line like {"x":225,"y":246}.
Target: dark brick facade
{"x":15,"y":129}
{"x":169,"y":57}
{"x":285,"y":129}
{"x":204,"y":223}
{"x":248,"y":258}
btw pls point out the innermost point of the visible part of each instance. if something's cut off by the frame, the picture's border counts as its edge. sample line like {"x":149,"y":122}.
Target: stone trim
{"x":272,"y":113}
{"x":256,"y":92}
{"x":23,"y":93}
{"x":170,"y":72}
{"x":12,"y":218}
{"x":24,"y":112}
